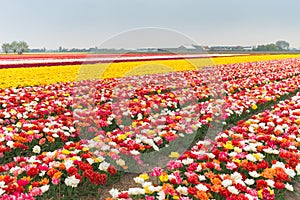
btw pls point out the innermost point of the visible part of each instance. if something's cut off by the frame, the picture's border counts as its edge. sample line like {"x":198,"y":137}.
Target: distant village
{"x":180,"y":49}
{"x":278,"y":46}
{"x":198,"y":48}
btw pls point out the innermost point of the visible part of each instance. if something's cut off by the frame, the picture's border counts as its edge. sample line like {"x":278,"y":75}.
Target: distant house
{"x":248,"y":48}
{"x":206,"y":48}
{"x":183,"y":49}
{"x":145,"y":50}
{"x":230,"y":48}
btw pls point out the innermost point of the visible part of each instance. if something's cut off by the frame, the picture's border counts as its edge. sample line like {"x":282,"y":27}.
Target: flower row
{"x":257,"y":159}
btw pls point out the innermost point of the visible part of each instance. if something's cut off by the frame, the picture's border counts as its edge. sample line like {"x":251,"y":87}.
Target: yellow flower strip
{"x":252,"y":58}
{"x":21,"y":77}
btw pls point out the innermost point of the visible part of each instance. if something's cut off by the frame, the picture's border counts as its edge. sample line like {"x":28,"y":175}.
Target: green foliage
{"x":22,"y":47}
{"x":15,"y":47}
{"x":267,"y":47}
{"x":5,"y":47}
{"x":278,"y":46}
{"x":283,"y":45}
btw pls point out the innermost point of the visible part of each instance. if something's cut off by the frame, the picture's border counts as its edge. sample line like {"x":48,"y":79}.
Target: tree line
{"x":15,"y":47}
{"x":278,"y":46}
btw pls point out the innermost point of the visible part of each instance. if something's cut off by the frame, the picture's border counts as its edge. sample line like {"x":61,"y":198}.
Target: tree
{"x":282,"y":45}
{"x":22,"y":47}
{"x":6,"y":47}
{"x":267,"y":47}
{"x":14,"y":46}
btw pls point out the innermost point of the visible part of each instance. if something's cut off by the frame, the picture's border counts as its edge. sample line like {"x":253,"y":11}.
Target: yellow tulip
{"x":144,"y":176}
{"x":174,"y":155}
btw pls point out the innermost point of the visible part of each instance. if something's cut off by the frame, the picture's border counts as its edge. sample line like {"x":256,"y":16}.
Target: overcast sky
{"x":86,"y":23}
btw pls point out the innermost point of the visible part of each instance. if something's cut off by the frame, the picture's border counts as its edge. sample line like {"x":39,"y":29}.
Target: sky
{"x":89,"y":23}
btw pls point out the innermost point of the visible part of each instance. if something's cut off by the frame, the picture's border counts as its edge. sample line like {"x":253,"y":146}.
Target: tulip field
{"x":69,"y":127}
